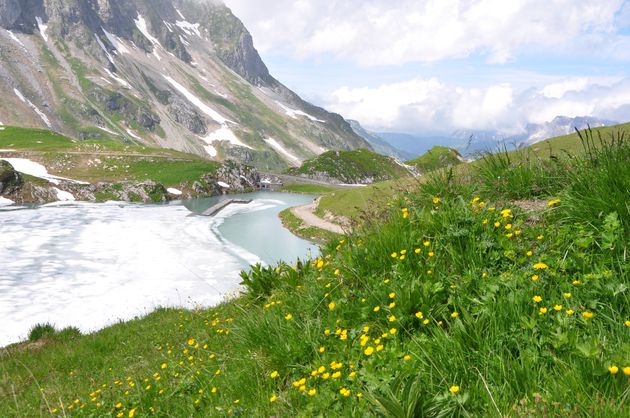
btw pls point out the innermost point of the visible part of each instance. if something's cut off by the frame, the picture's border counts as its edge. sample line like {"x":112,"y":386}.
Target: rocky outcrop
{"x":185,"y":114}
{"x":10,"y":179}
{"x":238,"y":178}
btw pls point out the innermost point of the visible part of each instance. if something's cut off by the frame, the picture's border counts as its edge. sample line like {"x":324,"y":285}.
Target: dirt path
{"x":307,"y":214}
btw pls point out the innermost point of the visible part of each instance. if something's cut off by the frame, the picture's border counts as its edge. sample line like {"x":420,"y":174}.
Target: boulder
{"x":10,"y":179}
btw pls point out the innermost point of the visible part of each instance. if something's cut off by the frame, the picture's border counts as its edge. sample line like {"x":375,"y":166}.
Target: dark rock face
{"x":244,"y":60}
{"x":20,"y":14}
{"x":185,"y":114}
{"x":115,"y":102}
{"x":10,"y":179}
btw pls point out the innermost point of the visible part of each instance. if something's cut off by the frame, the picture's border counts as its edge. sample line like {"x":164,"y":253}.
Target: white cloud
{"x":378,"y":32}
{"x":429,"y":105}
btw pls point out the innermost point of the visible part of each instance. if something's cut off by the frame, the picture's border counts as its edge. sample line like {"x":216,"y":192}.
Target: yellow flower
{"x":557,"y":308}
{"x":163,"y":366}
{"x":369,"y":351}
{"x":530,"y":253}
{"x":288,"y":317}
{"x":214,"y":390}
{"x":331,"y":305}
{"x":455,"y":314}
{"x":535,"y":278}
{"x":485,"y":222}
{"x":508,"y":226}
{"x":312,"y":392}
{"x":403,"y":252}
{"x":394,"y":255}
{"x":454,"y":389}
{"x":376,"y":308}
{"x":627,"y":323}
{"x":118,"y":405}
{"x":275,"y":374}
{"x":587,"y":314}
{"x":543,"y":311}
{"x":401,"y":258}
{"x":426,"y":243}
{"x":336,"y":375}
{"x":626,"y":370}
{"x":570,"y":311}
{"x":191,"y":342}
{"x":345,"y":392}
{"x":273,"y":398}
{"x":322,"y":349}
{"x":426,"y":322}
{"x":540,"y":266}
{"x":392,"y":305}
{"x":407,"y":357}
{"x":497,"y":224}
{"x":392,"y":295}
{"x":567,"y":295}
{"x":379,"y":347}
{"x":417,"y":250}
{"x":132,"y":413}
{"x":576,"y":282}
{"x":553,"y":202}
{"x":419,"y":315}
{"x":613,"y":369}
{"x":393,"y":331}
{"x":392,"y":318}
{"x":436,"y":200}
{"x":537,"y":299}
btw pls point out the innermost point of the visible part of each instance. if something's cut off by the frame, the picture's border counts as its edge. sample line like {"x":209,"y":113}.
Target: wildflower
{"x":118,"y":405}
{"x":431,"y":253}
{"x":540,"y":237}
{"x":273,"y":398}
{"x":455,"y":314}
{"x":345,"y":392}
{"x":288,"y":317}
{"x":426,"y":243}
{"x":419,"y":315}
{"x":417,"y":250}
{"x":510,"y":235}
{"x":394,"y":255}
{"x":325,"y":376}
{"x":191,"y":342}
{"x":484,"y":222}
{"x":369,"y":351}
{"x":392,"y":295}
{"x":379,"y":347}
{"x":553,"y":202}
{"x":274,"y":374}
{"x":392,"y":305}
{"x":214,"y":389}
{"x":540,"y":266}
{"x":336,"y":375}
{"x":132,"y":413}
{"x":407,"y":357}
{"x":537,"y":299}
{"x":426,"y":322}
{"x":454,"y":389}
{"x":393,"y":331}
{"x":613,"y":369}
{"x":567,"y":295}
{"x":312,"y":392}
{"x":587,"y":314}
{"x":576,"y":282}
{"x":326,"y":331}
{"x":322,"y":349}
{"x":530,"y":253}
{"x":508,"y":226}
{"x":557,"y":308}
{"x":535,"y":278}
{"x":506,"y":213}
{"x":570,"y":311}
{"x":626,"y":370}
{"x":366,"y":329}
{"x":627,"y":323}
{"x":543,"y":311}
{"x":403,"y":252}
{"x":392,"y":318}
{"x":331,"y":305}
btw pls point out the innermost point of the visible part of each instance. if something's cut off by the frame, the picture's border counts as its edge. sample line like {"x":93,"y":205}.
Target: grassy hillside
{"x":460,"y":300}
{"x":359,"y":166}
{"x":102,"y":160}
{"x":437,"y":157}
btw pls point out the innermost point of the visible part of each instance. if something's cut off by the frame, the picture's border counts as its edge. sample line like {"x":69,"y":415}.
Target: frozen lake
{"x":90,"y":265}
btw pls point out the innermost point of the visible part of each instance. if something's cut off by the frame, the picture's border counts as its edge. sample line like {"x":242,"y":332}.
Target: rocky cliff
{"x":180,"y":74}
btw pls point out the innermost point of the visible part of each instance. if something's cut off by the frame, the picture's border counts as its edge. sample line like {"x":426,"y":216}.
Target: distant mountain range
{"x":472,"y":142}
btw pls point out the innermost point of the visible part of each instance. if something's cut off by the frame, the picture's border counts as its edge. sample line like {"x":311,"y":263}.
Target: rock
{"x":185,"y":114}
{"x":10,"y":179}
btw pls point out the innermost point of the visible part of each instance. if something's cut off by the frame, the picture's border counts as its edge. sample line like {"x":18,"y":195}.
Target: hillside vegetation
{"x":351,"y":167}
{"x":476,"y":295}
{"x":437,"y":157}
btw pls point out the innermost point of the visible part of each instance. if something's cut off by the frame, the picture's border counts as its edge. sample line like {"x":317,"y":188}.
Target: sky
{"x":435,"y":66}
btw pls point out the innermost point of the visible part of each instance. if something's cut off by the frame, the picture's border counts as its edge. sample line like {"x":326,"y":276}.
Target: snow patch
{"x":15,"y":38}
{"x":5,"y":201}
{"x":109,"y":131}
{"x":31,"y":168}
{"x":197,"y":102}
{"x":133,"y":135}
{"x":64,"y":196}
{"x":180,"y":14}
{"x":280,"y":149}
{"x":184,"y":41}
{"x":225,"y":134}
{"x":293,"y":113}
{"x":141,"y":24}
{"x":41,"y":114}
{"x":116,"y":42}
{"x":118,"y":79}
{"x":224,"y":185}
{"x":42,"y":27}
{"x":100,"y":43}
{"x":190,"y":28}
{"x":168,"y":26}
{"x":174,"y":191}
{"x":212,"y":151}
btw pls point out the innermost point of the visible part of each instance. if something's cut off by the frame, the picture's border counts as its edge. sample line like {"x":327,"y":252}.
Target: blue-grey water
{"x":90,"y":265}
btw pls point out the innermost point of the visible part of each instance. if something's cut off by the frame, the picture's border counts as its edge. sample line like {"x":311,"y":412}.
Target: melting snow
{"x":225,"y":134}
{"x":197,"y":102}
{"x":168,"y":25}
{"x":120,"y":80}
{"x":141,"y":24}
{"x":278,"y":147}
{"x":190,"y":28}
{"x":16,"y":39}
{"x":212,"y":151}
{"x":5,"y":201}
{"x":184,"y":41}
{"x":293,"y":113}
{"x":63,"y":196}
{"x":224,"y":185}
{"x":180,"y":14}
{"x":102,"y":128}
{"x":42,"y":28}
{"x":133,"y":135}
{"x":41,"y":114}
{"x":34,"y":169}
{"x":100,"y":43}
{"x":174,"y":191}
{"x":116,"y":42}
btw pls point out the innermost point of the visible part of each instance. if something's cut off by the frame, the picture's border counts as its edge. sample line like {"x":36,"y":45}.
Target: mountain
{"x":437,"y":157}
{"x":379,"y":144}
{"x":415,"y":145}
{"x":181,"y":74}
{"x":360,"y":166}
